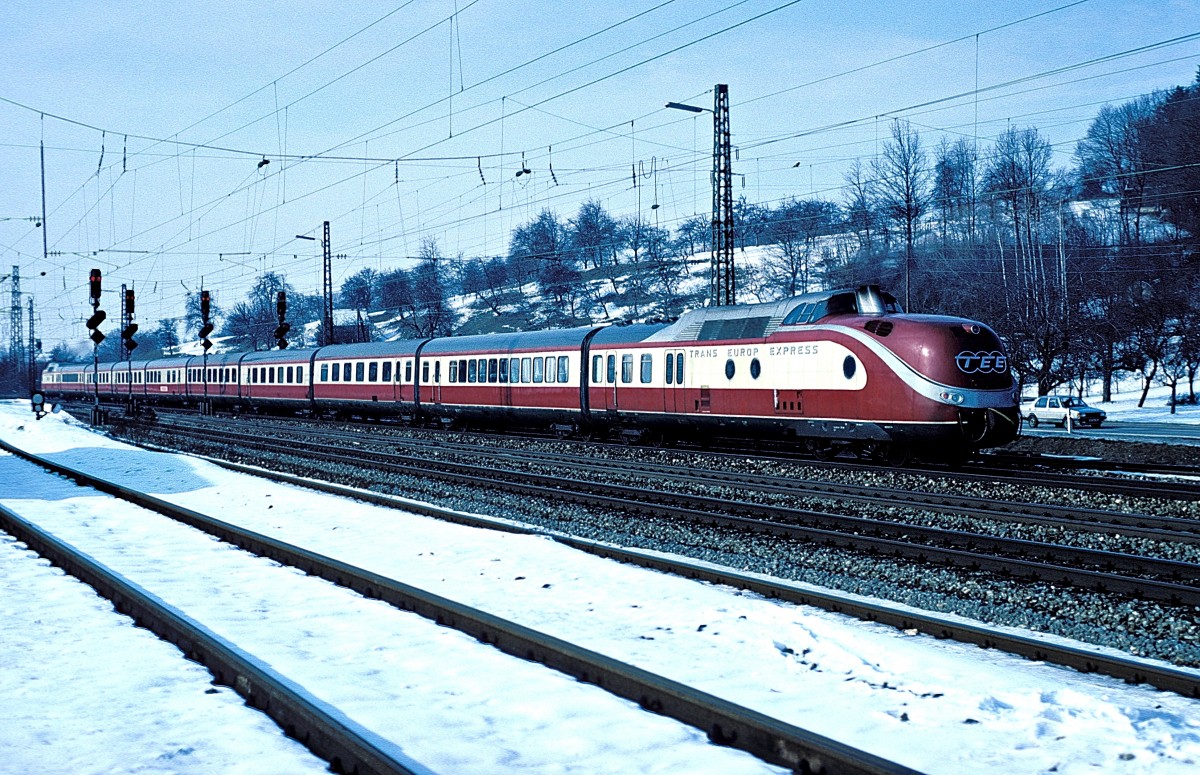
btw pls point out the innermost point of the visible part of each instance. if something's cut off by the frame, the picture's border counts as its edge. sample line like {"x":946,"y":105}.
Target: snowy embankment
{"x":935,"y":706}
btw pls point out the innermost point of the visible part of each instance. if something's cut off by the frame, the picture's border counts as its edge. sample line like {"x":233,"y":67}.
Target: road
{"x":1119,"y":430}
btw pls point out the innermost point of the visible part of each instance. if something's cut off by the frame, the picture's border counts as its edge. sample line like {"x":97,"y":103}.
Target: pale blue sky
{"x":189,"y":214}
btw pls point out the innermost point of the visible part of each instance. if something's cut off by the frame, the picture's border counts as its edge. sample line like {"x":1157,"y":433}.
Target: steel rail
{"x":1132,"y":670}
{"x":1138,"y":525}
{"x":881,"y":536}
{"x":347,"y":746}
{"x":724,"y":722}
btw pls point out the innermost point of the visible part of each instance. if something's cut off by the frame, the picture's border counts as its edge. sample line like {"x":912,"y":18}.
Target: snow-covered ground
{"x":933,"y":705}
{"x":1124,"y":406}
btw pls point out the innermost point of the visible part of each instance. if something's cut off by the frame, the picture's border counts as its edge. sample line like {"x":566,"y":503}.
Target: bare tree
{"x":955,"y":188}
{"x":1111,"y":160}
{"x":901,"y":183}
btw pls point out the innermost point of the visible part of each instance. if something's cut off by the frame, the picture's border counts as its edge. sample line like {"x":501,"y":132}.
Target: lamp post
{"x":722,"y":283}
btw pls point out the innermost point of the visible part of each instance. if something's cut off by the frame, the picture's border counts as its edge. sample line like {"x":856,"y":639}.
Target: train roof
{"x":562,"y":338}
{"x":401,"y":348}
{"x":628,"y":334}
{"x":274,"y":356}
{"x":758,"y":321}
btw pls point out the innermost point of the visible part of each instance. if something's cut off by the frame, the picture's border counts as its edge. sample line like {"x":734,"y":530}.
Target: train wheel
{"x":821,"y":450}
{"x":896,"y":455}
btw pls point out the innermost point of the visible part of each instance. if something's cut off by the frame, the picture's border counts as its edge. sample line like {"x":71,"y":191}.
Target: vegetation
{"x":1086,"y":272}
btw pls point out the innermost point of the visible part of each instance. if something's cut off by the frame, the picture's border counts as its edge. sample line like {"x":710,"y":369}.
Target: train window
{"x":271,"y":376}
{"x":291,"y":375}
{"x":670,"y":368}
{"x":345,"y":372}
{"x":679,"y":369}
{"x":597,"y":363}
{"x":551,"y":373}
{"x":408,"y":369}
{"x":280,"y":375}
{"x":324,"y":372}
{"x":647,"y":370}
{"x":373,"y":372}
{"x":798,"y":315}
{"x":337,"y":372}
{"x":453,"y":371}
{"x":610,"y":375}
{"x":537,"y":370}
{"x":627,"y":368}
{"x":730,"y":369}
{"x":425,"y":372}
{"x":437,"y":371}
{"x":360,"y":369}
{"x":471,"y":370}
{"x":526,"y":369}
{"x":503,"y":367}
{"x":299,"y":375}
{"x":755,"y":368}
{"x":387,"y":371}
{"x":514,"y":370}
{"x":564,"y":368}
{"x":397,"y":371}
{"x":492,"y":369}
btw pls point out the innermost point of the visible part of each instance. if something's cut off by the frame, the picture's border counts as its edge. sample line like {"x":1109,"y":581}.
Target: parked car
{"x":1056,"y":408}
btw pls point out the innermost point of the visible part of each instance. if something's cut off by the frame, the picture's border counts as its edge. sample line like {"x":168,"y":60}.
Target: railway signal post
{"x":206,"y":328}
{"x":93,"y":324}
{"x":128,"y":329}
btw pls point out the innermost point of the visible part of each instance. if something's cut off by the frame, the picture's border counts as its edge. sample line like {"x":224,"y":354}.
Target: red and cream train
{"x":837,"y":370}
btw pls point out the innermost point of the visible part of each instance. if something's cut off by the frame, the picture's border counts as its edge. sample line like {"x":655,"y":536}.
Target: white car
{"x":1054,"y":409}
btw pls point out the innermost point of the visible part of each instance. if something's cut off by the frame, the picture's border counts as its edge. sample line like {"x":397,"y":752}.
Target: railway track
{"x":350,"y":749}
{"x":1172,"y":581}
{"x":1131,"y":670}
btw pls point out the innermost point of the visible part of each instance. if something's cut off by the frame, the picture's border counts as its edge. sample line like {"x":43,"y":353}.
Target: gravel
{"x":1138,"y":627}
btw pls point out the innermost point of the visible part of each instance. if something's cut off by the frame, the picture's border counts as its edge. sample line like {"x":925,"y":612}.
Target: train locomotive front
{"x":849,"y":370}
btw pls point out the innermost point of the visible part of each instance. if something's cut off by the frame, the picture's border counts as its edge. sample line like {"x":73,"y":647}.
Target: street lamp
{"x":722,"y":283}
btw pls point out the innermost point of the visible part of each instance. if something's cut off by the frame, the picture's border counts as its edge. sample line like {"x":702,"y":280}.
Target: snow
{"x":1124,"y":406}
{"x":933,"y":705}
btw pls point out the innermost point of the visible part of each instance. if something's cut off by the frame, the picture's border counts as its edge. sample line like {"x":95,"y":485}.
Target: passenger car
{"x":1056,"y":408}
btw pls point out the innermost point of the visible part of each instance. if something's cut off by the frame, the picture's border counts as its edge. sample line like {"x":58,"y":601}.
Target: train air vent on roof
{"x":733,"y":328}
{"x":879,"y":327}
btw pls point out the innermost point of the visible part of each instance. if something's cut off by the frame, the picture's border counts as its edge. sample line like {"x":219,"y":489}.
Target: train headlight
{"x":953,"y":398}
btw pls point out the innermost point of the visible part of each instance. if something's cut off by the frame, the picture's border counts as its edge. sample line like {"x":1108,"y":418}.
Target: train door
{"x":602,"y":392}
{"x":509,"y":373}
{"x":674,"y":398}
{"x":437,"y":382}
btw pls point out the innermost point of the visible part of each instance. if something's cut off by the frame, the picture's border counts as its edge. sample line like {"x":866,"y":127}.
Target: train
{"x":843,"y":371}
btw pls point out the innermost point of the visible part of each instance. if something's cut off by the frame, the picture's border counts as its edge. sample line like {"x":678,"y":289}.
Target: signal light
{"x":205,"y":330}
{"x":94,"y":286}
{"x":129,"y":302}
{"x":127,"y":337}
{"x":280,"y":333}
{"x":94,"y":322}
{"x":281,"y":305}
{"x":205,"y":301}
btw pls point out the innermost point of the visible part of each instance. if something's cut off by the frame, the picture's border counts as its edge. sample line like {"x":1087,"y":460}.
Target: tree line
{"x":1086,"y":270}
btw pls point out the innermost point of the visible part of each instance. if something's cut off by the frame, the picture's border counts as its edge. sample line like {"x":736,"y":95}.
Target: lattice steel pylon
{"x":722,"y":284}
{"x":327,"y":289}
{"x":16,"y":339}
